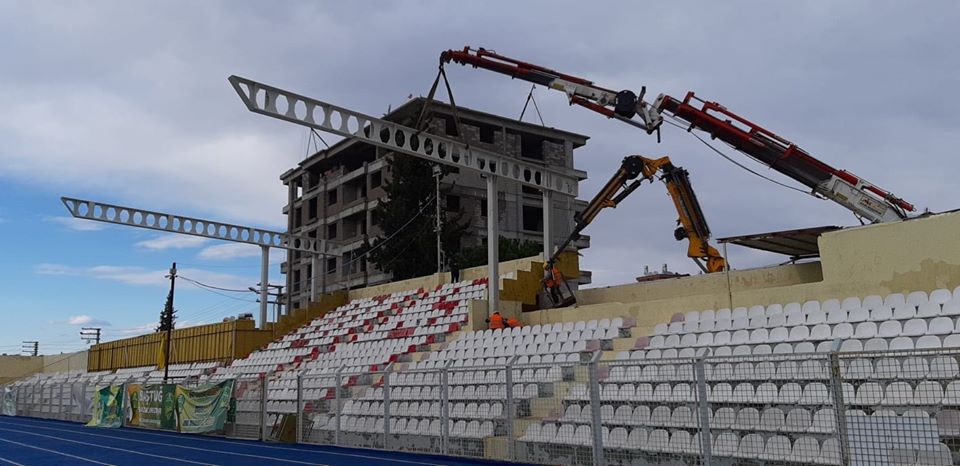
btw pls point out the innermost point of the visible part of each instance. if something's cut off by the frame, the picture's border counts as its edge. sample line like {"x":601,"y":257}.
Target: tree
{"x":510,"y":249}
{"x":407,"y":217}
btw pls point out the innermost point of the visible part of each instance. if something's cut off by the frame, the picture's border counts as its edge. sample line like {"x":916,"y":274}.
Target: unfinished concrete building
{"x":333,"y":194}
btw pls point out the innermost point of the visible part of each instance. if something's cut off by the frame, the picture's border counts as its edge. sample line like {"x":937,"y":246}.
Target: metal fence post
{"x":597,"y":426}
{"x":264,"y":385}
{"x":124,"y":404}
{"x":84,"y":402}
{"x":336,"y":404}
{"x":445,"y":407}
{"x":300,"y":413}
{"x":839,"y":405}
{"x":60,"y":404}
{"x":699,"y":371}
{"x":386,"y":408}
{"x":508,"y":412}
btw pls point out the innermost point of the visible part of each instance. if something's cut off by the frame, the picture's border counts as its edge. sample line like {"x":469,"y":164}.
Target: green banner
{"x":9,"y":407}
{"x":156,"y":406}
{"x":107,"y":407}
{"x":203,"y":409}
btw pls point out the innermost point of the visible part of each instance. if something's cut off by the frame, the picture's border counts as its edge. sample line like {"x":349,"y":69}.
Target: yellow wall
{"x":427,"y":283}
{"x":14,"y":367}
{"x":213,"y":342}
{"x":919,"y":254}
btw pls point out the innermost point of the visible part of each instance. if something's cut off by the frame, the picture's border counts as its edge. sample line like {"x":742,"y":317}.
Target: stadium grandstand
{"x":852,"y":359}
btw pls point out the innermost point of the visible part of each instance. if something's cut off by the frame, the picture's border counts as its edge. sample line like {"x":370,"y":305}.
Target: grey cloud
{"x":140,"y":94}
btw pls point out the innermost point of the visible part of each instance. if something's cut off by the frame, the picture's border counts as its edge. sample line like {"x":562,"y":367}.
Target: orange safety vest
{"x":496,"y":321}
{"x":513,"y":323}
{"x":554,"y":277}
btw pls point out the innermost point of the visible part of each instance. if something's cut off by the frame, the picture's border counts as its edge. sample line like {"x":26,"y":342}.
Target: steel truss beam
{"x":132,"y":217}
{"x":295,"y":108}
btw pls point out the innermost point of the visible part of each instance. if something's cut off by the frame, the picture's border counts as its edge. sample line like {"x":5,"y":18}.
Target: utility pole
{"x":278,"y":296}
{"x":30,"y":348}
{"x":89,"y":334}
{"x":166,"y":322}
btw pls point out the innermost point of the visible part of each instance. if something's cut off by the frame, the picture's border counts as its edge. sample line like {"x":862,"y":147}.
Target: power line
{"x":731,"y":160}
{"x":212,"y":286}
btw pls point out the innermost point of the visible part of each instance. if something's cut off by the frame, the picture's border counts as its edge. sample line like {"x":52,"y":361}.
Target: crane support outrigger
{"x":864,"y":199}
{"x":633,"y":171}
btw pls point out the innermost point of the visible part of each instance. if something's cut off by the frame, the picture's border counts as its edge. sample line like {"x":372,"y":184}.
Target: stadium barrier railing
{"x":879,"y":407}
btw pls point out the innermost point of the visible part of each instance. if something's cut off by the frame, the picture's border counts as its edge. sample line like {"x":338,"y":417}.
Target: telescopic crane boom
{"x":864,"y":199}
{"x":636,"y":169}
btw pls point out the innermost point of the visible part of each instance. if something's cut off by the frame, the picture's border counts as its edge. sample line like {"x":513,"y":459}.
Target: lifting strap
{"x":421,"y":121}
{"x":535,"y":106}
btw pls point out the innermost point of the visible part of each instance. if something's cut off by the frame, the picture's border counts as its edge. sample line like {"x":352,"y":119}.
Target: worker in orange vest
{"x":552,"y":280}
{"x":495,"y":321}
{"x":513,"y":323}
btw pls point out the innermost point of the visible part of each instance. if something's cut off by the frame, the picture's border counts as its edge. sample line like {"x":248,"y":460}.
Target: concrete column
{"x":493,"y":246}
{"x":314,"y":270}
{"x":265,"y":282}
{"x":547,"y":219}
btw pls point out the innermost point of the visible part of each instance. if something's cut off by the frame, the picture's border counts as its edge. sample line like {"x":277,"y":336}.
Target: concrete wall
{"x":65,"y":362}
{"x":15,"y":367}
{"x":919,"y":254}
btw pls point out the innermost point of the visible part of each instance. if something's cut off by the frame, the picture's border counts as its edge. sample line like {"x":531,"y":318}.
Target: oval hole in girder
{"x":233,"y":233}
{"x":526,"y":175}
{"x":244,"y":234}
{"x":111,"y":213}
{"x":493,"y":167}
{"x":335,"y":119}
{"x":442,"y":150}
{"x":265,"y":238}
{"x":199,"y":227}
{"x":384,"y":134}
{"x":300,"y":110}
{"x":124,"y":215}
{"x":399,"y":137}
{"x":261,"y":98}
{"x":538,"y":178}
{"x":282,"y":104}
{"x":138,"y":218}
{"x":212,"y":229}
{"x":414,"y":142}
{"x":353,"y":125}
{"x":296,"y":243}
{"x":481,"y":163}
{"x":455,"y":155}
{"x":428,"y":146}
{"x":81,"y":209}
{"x":150,"y":220}
{"x":97,"y":211}
{"x":162,"y":222}
{"x":255,"y":236}
{"x":186,"y":225}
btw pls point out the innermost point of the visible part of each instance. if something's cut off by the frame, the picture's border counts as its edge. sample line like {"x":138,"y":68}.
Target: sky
{"x":127,"y":102}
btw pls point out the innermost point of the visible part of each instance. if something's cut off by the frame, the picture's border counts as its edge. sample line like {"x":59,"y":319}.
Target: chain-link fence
{"x":831,"y":408}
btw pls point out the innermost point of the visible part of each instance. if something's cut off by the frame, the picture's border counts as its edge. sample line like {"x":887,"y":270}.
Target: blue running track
{"x":29,"y":442}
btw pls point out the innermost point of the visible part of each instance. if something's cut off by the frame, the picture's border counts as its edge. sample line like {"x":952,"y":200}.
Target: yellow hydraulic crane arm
{"x":692,"y":225}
